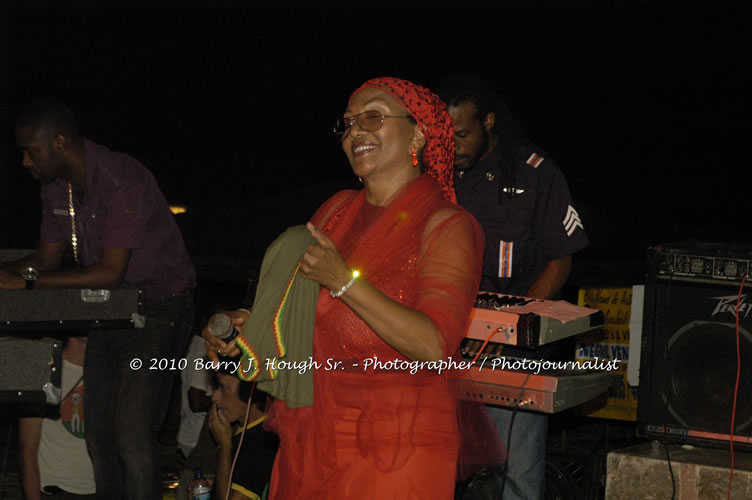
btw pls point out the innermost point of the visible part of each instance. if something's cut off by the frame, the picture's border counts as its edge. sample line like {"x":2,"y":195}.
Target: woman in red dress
{"x":382,"y":425}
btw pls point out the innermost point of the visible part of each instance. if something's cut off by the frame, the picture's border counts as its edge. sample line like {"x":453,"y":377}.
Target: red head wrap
{"x":431,"y":114}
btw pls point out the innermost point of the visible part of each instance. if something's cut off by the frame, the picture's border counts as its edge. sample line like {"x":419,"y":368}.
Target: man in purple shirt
{"x":107,"y":209}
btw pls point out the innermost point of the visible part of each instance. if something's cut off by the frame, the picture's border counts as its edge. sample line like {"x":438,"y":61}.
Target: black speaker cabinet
{"x":689,"y":344}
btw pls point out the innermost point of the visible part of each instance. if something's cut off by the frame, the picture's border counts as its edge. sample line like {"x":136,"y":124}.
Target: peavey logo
{"x":728,"y":304}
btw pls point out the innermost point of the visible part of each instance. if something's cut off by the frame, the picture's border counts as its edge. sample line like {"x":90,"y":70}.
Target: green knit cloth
{"x":279,"y":332}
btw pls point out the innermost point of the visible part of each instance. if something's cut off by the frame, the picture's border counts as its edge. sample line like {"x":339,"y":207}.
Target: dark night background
{"x":643,"y":108}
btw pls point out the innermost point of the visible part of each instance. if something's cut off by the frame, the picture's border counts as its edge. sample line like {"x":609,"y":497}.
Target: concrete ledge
{"x":641,"y":471}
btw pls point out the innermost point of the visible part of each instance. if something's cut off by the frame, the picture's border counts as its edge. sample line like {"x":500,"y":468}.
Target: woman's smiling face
{"x":386,"y":149}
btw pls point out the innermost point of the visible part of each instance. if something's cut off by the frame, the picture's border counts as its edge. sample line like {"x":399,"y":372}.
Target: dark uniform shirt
{"x":537,"y":224}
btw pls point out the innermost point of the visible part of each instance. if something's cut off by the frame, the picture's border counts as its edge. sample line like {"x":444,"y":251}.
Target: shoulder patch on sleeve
{"x":535,"y":160}
{"x":571,"y":221}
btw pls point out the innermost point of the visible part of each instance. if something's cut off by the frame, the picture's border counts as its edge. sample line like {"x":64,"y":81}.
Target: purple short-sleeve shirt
{"x":124,"y":208}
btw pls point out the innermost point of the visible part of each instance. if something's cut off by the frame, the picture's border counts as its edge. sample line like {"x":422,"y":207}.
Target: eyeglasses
{"x":370,"y":121}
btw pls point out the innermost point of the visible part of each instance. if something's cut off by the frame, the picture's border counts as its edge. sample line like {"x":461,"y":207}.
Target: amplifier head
{"x":705,"y":261}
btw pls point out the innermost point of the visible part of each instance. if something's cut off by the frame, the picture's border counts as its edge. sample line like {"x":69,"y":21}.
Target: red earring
{"x":415,"y":158}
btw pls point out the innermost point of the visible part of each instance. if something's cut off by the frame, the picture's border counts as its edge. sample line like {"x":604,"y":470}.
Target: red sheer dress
{"x":383,"y":432}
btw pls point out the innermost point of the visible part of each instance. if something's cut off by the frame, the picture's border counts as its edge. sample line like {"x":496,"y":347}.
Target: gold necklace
{"x":72,"y":212}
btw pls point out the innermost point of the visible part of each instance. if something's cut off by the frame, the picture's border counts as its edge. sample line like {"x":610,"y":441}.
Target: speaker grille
{"x":701,"y":368}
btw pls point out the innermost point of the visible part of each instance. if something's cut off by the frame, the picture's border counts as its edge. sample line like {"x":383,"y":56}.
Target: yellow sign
{"x":611,"y":342}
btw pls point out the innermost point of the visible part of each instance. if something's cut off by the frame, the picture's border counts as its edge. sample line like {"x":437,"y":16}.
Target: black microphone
{"x":220,"y":325}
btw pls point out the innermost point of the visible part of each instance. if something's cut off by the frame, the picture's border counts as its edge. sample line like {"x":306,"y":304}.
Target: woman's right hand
{"x":215,"y":346}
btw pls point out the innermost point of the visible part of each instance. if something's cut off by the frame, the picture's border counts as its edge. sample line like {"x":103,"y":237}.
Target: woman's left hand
{"x":323,"y":263}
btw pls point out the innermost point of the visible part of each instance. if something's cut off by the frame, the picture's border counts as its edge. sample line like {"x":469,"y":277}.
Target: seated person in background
{"x":195,"y":396}
{"x":53,"y":459}
{"x":253,"y":468}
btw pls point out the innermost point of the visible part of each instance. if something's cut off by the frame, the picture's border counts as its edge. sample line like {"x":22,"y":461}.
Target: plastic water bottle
{"x":200,"y":488}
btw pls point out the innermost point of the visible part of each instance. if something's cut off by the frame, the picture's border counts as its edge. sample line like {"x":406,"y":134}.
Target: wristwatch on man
{"x":30,"y":276}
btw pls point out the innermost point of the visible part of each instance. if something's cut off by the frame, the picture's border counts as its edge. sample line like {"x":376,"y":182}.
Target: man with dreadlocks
{"x":522,"y":201}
